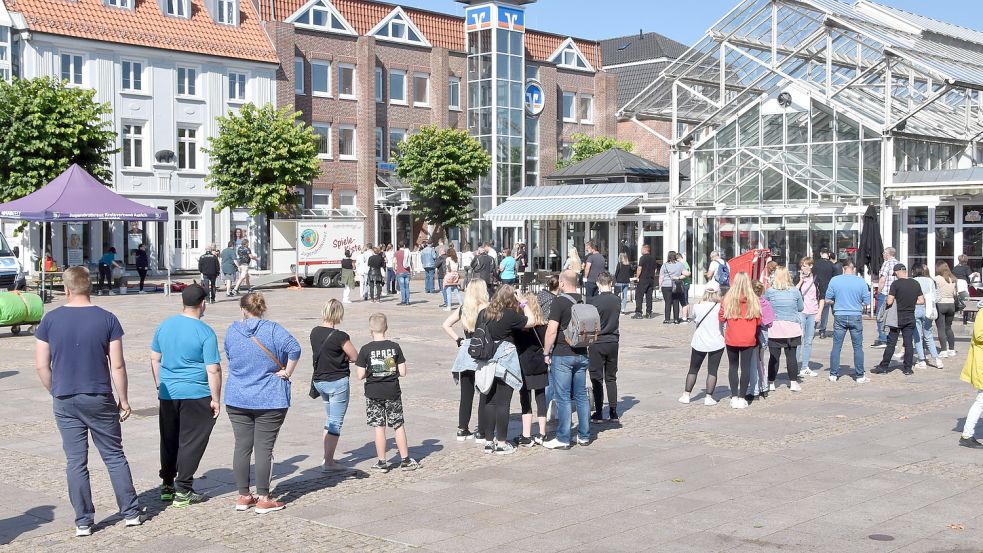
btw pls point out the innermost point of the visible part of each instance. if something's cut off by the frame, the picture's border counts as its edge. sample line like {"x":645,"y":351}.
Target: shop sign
{"x":535,"y":98}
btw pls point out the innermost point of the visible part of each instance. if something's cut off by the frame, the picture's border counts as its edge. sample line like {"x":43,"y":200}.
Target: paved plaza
{"x":839,"y":467}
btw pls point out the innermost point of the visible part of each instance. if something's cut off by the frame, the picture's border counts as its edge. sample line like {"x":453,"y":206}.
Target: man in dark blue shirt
{"x":79,"y":360}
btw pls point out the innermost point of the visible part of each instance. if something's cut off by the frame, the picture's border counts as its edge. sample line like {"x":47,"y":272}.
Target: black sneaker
{"x":637,"y":316}
{"x":409,"y":463}
{"x":463,"y":435}
{"x":613,"y":417}
{"x":878,"y":344}
{"x":596,"y":417}
{"x":879,"y":369}
{"x":479,"y":438}
{"x":907,"y":371}
{"x":972,"y":443}
{"x":538,"y":439}
{"x":489,"y":446}
{"x":667,"y":322}
{"x":167,"y":492}
{"x":650,"y":316}
{"x":381,"y":466}
{"x":524,"y":441}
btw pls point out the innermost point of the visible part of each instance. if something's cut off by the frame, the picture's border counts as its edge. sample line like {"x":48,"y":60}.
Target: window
{"x":378,"y":144}
{"x":323,"y":132}
{"x":237,"y":86}
{"x":378,"y":84}
{"x":4,"y":53}
{"x":132,"y":75}
{"x":569,"y":101}
{"x":397,"y":27}
{"x":323,"y":17}
{"x":454,"y":93}
{"x":397,"y":87}
{"x":119,"y":3}
{"x":299,"y":75}
{"x":132,"y":145}
{"x":585,"y":109}
{"x":346,"y":81}
{"x":568,"y":55}
{"x":395,"y":137}
{"x":346,"y":142}
{"x":227,"y":12}
{"x":321,"y":200}
{"x":186,"y":81}
{"x":347,"y":200}
{"x":71,"y":68}
{"x":321,"y":78}
{"x":187,"y":148}
{"x":421,"y":89}
{"x":177,"y":8}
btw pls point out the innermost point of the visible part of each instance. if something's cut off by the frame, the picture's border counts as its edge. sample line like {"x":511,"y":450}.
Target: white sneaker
{"x":938,"y":363}
{"x":741,"y":403}
{"x":771,"y":386}
{"x":137,"y":520}
{"x":832,"y":378}
{"x":808,"y":372}
{"x":863,"y":380}
{"x":794,"y":386}
{"x":709,"y":401}
{"x":556,"y":444}
{"x":82,"y":531}
{"x":921,"y":365}
{"x":952,"y":353}
{"x":684,"y":398}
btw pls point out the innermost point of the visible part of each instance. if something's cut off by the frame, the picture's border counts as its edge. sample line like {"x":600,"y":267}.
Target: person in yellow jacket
{"x":973,"y":374}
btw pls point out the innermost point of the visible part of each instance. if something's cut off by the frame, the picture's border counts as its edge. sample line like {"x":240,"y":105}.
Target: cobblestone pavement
{"x":839,"y":467}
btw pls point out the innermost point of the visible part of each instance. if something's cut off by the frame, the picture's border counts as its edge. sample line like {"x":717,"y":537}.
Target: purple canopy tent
{"x":75,"y":195}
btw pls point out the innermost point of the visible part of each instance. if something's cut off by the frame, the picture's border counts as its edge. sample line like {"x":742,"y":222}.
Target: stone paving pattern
{"x":839,"y":467}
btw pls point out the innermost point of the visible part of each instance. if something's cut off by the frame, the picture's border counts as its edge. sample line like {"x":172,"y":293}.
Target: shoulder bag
{"x":705,"y":316}
{"x":313,"y":393}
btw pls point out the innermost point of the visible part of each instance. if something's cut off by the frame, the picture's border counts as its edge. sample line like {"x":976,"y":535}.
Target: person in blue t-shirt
{"x":106,"y":265}
{"x":186,"y":365}
{"x":849,"y":294}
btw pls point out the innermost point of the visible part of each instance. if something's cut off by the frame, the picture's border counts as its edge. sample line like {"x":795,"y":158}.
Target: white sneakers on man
{"x":738,"y":403}
{"x":938,"y":363}
{"x":795,"y":386}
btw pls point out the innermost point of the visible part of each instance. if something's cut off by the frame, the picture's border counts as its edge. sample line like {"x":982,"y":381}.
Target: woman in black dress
{"x":377,"y":268}
{"x":535,"y":374}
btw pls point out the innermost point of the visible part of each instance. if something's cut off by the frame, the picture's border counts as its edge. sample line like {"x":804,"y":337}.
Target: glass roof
{"x":891,"y":70}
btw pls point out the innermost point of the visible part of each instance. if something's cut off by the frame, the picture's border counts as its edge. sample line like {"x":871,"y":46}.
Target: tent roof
{"x":75,"y":195}
{"x":612,"y":163}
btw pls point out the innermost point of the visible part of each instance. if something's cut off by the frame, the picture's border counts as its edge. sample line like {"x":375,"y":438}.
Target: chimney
{"x":640,"y":35}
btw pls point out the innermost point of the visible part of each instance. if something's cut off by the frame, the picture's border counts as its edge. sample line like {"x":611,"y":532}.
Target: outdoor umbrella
{"x":871,"y":245}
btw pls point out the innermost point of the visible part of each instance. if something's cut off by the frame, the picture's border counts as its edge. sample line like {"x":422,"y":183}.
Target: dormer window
{"x":397,"y":27}
{"x":321,"y":15}
{"x":227,"y":12}
{"x":125,"y":4}
{"x":177,"y":8}
{"x":569,"y":56}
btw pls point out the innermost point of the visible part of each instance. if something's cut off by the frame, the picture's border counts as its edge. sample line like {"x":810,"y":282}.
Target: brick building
{"x":366,"y":73}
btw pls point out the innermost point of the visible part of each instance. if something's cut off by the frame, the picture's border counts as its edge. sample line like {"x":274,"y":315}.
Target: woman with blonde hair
{"x":333,"y":354}
{"x":786,"y":331}
{"x":741,"y":312}
{"x":573,"y":261}
{"x":262,"y":356}
{"x":707,"y":343}
{"x":535,"y":374}
{"x":475,"y":299}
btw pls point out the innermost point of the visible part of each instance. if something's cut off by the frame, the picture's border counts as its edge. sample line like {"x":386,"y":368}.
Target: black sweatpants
{"x":208,"y":282}
{"x":143,"y":276}
{"x":740,"y":358}
{"x":254,"y":430}
{"x":105,"y":275}
{"x":790,"y":362}
{"x":495,"y":419}
{"x":644,"y":290}
{"x":672,"y":301}
{"x":603,"y":367}
{"x":185,"y":426}
{"x":906,"y":328}
{"x":467,"y":402}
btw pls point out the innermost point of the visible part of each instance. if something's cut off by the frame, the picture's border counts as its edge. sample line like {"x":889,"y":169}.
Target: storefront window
{"x":917,"y":244}
{"x":847,"y":236}
{"x":820,"y":232}
{"x":797,"y":231}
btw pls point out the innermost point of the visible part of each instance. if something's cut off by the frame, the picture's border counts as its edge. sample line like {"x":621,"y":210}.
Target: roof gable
{"x":569,"y":56}
{"x":398,"y":27}
{"x":321,"y":15}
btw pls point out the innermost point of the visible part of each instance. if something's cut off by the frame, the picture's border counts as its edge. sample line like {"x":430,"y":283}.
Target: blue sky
{"x":685,"y":21}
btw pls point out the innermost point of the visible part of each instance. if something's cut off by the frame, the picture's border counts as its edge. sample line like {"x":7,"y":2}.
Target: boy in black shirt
{"x":603,"y":354}
{"x":645,"y":274}
{"x":904,"y":295}
{"x":380,"y":363}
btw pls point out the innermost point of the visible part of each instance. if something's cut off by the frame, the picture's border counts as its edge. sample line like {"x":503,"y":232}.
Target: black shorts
{"x":384,"y":412}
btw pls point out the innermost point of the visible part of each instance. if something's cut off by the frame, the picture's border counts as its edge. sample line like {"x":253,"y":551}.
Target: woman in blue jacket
{"x":786,"y":332}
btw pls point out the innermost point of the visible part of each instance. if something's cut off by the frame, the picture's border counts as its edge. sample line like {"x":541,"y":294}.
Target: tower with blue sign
{"x":497,"y":97}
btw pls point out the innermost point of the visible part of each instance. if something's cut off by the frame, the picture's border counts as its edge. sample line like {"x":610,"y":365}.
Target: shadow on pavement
{"x":32,"y":519}
{"x":6,"y":374}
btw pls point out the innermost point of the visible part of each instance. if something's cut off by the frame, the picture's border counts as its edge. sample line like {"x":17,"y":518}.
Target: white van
{"x":11,"y":274}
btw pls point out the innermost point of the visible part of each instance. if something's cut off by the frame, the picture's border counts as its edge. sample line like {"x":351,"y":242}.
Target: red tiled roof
{"x":441,"y":29}
{"x":146,"y":25}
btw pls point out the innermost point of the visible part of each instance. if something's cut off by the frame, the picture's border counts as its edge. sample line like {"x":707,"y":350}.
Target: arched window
{"x":186,"y":207}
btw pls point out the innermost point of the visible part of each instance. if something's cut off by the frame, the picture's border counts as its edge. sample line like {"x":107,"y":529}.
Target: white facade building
{"x":166,"y":94}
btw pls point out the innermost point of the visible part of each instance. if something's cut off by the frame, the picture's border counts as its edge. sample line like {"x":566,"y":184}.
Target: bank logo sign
{"x":535,"y":98}
{"x":481,"y":17}
{"x":478,"y":18}
{"x":511,"y":19}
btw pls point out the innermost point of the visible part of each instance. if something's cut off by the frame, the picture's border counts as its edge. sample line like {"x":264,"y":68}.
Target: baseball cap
{"x":193,"y":295}
{"x":900,"y":267}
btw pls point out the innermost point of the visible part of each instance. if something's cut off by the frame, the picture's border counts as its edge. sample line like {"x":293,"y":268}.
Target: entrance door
{"x":187,"y":235}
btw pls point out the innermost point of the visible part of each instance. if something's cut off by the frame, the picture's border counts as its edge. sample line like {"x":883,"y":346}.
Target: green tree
{"x":441,"y":165}
{"x":586,"y":147}
{"x":261,"y":158}
{"x":47,"y":126}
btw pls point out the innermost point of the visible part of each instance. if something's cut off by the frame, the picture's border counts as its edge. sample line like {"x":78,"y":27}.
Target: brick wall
{"x":648,"y":145}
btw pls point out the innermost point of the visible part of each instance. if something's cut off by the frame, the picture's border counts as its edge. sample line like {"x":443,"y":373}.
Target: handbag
{"x":959,"y":302}
{"x":452,"y":278}
{"x":677,"y":288}
{"x":313,"y":393}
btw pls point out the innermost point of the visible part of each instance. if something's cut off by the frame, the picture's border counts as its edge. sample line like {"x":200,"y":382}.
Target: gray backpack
{"x":585,"y":324}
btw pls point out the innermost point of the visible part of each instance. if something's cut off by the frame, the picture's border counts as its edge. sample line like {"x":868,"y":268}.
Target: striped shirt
{"x":887,"y":273}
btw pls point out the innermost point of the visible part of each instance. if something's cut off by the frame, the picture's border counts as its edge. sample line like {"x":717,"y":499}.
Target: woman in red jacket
{"x":742,"y":314}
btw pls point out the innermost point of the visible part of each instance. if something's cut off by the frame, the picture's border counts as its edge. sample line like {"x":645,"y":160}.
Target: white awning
{"x":560,"y":208}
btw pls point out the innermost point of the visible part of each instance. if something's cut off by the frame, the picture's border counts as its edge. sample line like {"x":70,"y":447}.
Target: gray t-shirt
{"x":596,"y":261}
{"x":670,"y":271}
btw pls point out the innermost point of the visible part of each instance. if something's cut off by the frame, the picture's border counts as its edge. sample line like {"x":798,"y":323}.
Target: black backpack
{"x":482,"y":347}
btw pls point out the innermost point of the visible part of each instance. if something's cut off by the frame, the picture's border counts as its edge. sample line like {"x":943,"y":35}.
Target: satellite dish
{"x":164,"y":156}
{"x":785,"y":99}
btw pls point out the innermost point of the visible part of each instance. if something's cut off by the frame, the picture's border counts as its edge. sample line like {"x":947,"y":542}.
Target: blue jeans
{"x":429,"y":277}
{"x":570,"y":373}
{"x":924,"y":331}
{"x":855,"y":325}
{"x":335,"y":396}
{"x":79,"y":416}
{"x":448,"y":290}
{"x":391,"y":281}
{"x":881,"y":330}
{"x":623,"y":292}
{"x":404,"y":287}
{"x":808,"y":333}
